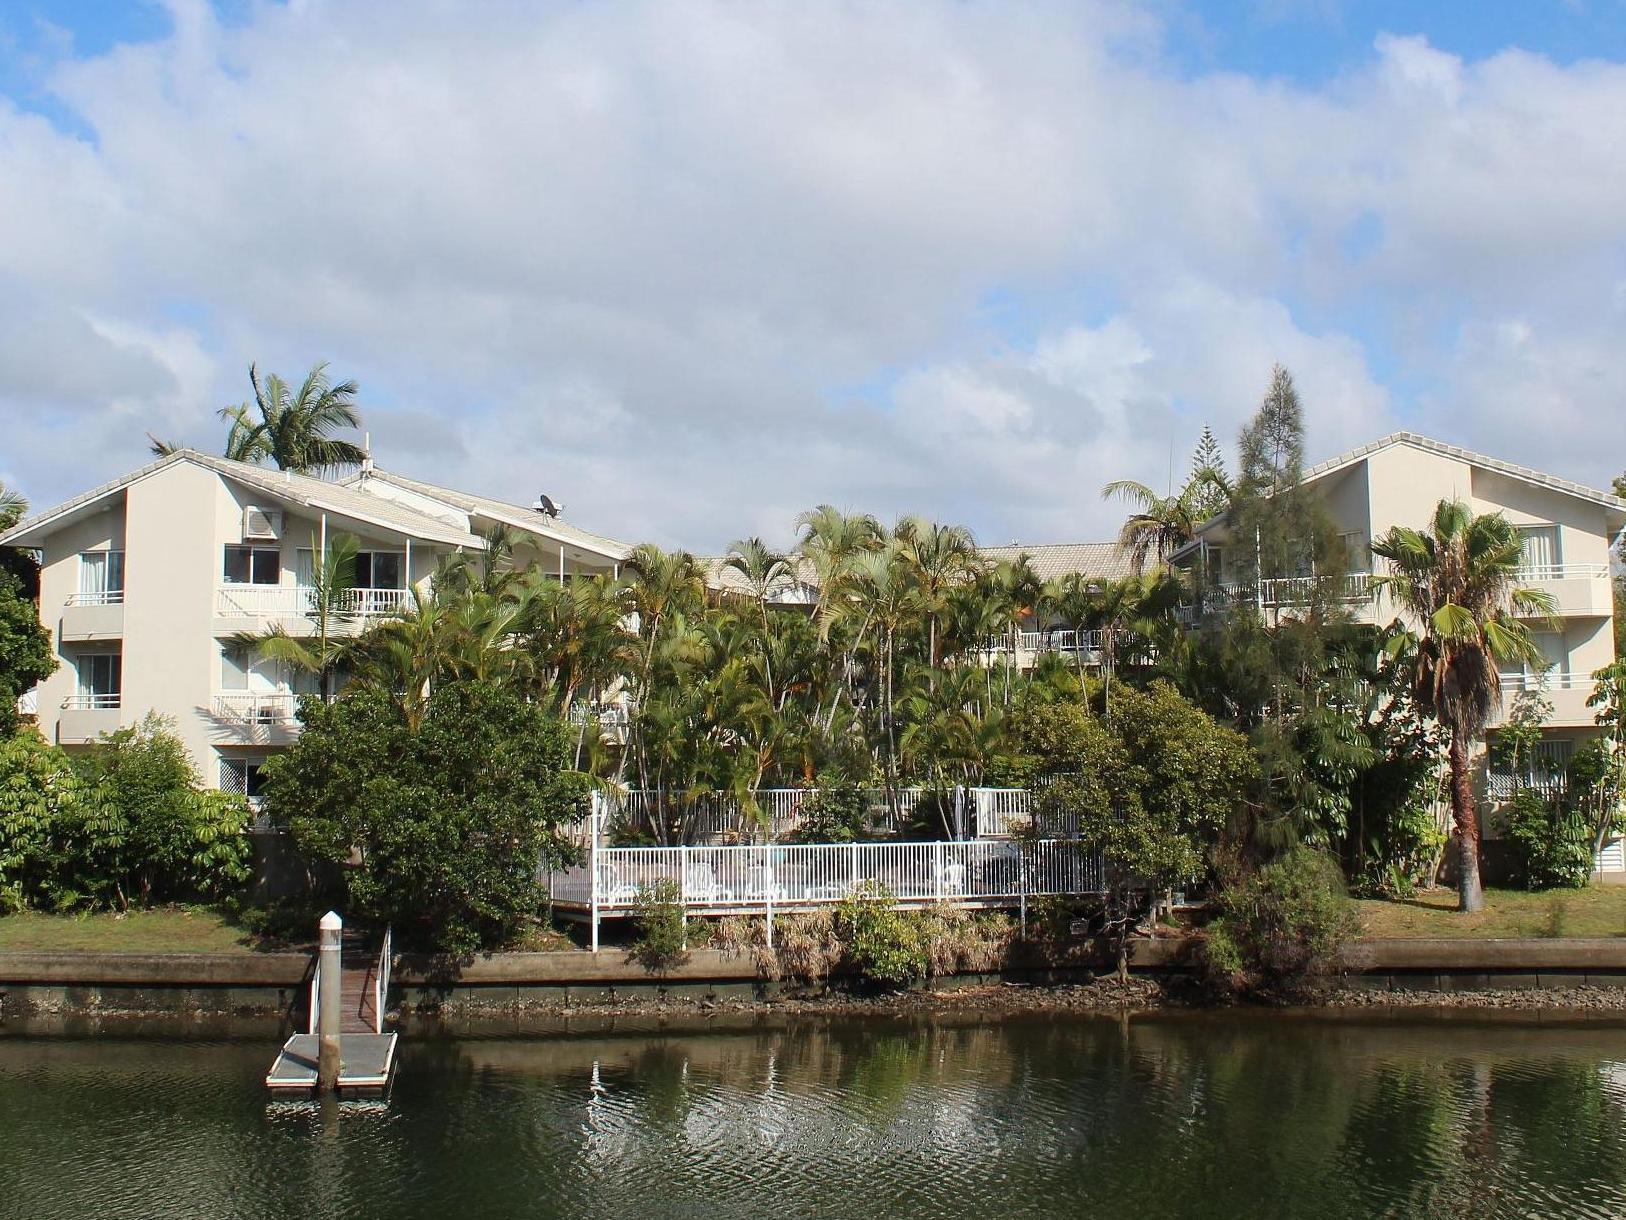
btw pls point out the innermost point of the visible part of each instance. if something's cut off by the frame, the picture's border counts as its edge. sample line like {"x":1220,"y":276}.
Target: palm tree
{"x":333,"y":574}
{"x":942,"y":558}
{"x":765,"y":572}
{"x":294,"y":427}
{"x":13,"y":506}
{"x":1131,"y":608}
{"x":1161,"y":524}
{"x":1458,"y":582}
{"x":1071,"y":598}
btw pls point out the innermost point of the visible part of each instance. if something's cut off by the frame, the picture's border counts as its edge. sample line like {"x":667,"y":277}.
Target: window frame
{"x":254,"y":555}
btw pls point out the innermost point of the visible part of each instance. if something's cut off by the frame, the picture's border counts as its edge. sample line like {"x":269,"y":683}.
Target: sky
{"x":692,"y":266}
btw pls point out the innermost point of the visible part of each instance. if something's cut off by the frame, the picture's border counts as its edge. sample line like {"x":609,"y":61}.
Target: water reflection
{"x":1215,"y":1115}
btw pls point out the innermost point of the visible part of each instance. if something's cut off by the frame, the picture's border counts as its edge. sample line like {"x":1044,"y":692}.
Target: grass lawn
{"x":1598,"y":910}
{"x":167,"y":930}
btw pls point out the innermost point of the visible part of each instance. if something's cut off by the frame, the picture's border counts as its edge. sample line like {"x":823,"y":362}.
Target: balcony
{"x":1281,"y":593}
{"x":299,"y":602}
{"x":256,"y":717}
{"x":1085,"y":645}
{"x":254,"y":707}
{"x":1582,"y":589}
{"x":1567,"y":692}
{"x":85,"y":717}
{"x":94,"y":616}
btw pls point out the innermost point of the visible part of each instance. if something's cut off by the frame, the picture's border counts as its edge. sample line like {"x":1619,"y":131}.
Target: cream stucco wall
{"x":174,"y":526}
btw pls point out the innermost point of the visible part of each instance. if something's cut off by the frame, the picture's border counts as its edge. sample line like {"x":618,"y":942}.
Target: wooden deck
{"x":365,"y":1060}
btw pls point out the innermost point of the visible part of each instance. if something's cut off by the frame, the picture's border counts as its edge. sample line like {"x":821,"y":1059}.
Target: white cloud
{"x":634,"y":253}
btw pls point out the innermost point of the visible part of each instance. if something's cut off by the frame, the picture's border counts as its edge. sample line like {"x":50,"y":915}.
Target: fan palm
{"x":1456,"y":587}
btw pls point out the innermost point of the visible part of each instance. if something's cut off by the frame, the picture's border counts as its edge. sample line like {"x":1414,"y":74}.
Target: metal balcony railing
{"x":1563,"y":571}
{"x":274,"y":601}
{"x":102,"y":597}
{"x":256,"y":707}
{"x":88,"y":702}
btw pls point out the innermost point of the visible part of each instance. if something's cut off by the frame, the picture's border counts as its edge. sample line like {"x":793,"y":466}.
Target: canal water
{"x":1205,"y":1115}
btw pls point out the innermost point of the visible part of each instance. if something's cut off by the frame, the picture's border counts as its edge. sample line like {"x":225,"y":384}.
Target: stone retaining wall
{"x":275,"y":983}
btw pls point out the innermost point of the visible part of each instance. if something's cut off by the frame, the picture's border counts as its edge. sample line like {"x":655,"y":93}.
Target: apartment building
{"x":1568,"y":533}
{"x":148,"y":583}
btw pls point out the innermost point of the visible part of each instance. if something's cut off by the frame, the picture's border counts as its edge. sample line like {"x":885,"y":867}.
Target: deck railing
{"x":1563,"y":571}
{"x":81,"y":703}
{"x":717,"y":817}
{"x":1552,"y":679}
{"x":803,"y":875}
{"x":381,"y":978}
{"x":316,"y":997}
{"x":251,"y":707}
{"x":290,"y":601}
{"x":100,"y":597}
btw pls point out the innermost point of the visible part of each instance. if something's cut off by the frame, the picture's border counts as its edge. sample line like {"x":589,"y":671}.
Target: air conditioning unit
{"x":262,"y":524}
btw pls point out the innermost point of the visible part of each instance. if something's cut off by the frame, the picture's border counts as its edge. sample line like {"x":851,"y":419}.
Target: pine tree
{"x":1209,"y":480}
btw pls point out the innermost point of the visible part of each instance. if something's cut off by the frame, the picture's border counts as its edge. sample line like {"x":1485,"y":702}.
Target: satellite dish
{"x":548,"y":506}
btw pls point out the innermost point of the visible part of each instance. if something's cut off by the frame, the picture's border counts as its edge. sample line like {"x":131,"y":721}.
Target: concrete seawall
{"x":268,"y":984}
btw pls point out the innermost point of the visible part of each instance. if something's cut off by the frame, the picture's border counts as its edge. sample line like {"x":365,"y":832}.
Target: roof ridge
{"x":1517,"y":470}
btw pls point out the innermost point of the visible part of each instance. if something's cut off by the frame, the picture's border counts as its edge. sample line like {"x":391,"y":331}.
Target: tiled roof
{"x":282,"y":486}
{"x":1100,"y":560}
{"x":516,"y":515}
{"x":1512,"y":469}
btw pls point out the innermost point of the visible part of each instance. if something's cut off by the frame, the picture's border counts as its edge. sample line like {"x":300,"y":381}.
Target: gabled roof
{"x":516,"y":515}
{"x":282,"y":486}
{"x":1099,"y":560}
{"x":1512,"y":469}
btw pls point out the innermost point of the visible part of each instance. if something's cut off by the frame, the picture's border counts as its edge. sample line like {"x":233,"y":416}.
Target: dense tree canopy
{"x":442,"y":820}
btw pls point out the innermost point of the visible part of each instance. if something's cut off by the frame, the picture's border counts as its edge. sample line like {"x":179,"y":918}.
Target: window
{"x":1545,"y":769}
{"x":253,"y":565}
{"x":1357,"y":551}
{"x":1538,"y":546}
{"x":101,"y":578}
{"x":1551,"y":672}
{"x":379,"y":570}
{"x":242,"y":775}
{"x":101,"y":678}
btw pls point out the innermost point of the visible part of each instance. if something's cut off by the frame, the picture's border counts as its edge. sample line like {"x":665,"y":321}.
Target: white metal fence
{"x":718,"y":818}
{"x":749,"y":878}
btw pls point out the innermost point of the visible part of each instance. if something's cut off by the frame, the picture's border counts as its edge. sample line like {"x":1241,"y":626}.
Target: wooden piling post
{"x":329,"y":962}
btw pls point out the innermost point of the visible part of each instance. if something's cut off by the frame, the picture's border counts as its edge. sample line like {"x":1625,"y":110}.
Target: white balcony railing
{"x":82,"y":703}
{"x":292,"y":601}
{"x":1563,"y":571}
{"x":1552,"y":680}
{"x":103,"y":597}
{"x":256,"y":707}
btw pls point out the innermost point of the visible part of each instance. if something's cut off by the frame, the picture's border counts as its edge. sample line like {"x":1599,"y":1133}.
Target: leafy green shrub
{"x":1403,"y":852}
{"x":662,"y":942}
{"x":123,"y":823}
{"x":836,"y":812}
{"x":1551,"y":842}
{"x":1281,"y":925}
{"x":883,"y":945}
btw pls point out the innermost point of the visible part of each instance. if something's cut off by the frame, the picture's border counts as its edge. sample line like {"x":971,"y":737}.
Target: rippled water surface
{"x":1218,"y":1115}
